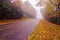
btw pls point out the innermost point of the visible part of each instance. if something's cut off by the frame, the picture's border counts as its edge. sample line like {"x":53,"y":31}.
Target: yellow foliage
{"x":45,"y":31}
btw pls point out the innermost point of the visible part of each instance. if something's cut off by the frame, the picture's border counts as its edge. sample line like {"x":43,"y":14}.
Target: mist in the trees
{"x":8,"y":11}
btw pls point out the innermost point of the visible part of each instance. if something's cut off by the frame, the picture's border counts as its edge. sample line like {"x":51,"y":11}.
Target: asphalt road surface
{"x":19,"y":30}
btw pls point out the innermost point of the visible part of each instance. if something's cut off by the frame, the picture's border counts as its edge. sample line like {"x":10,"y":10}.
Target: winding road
{"x":18,"y":30}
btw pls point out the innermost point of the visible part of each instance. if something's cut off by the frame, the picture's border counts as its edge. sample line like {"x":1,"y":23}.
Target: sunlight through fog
{"x":37,"y":8}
